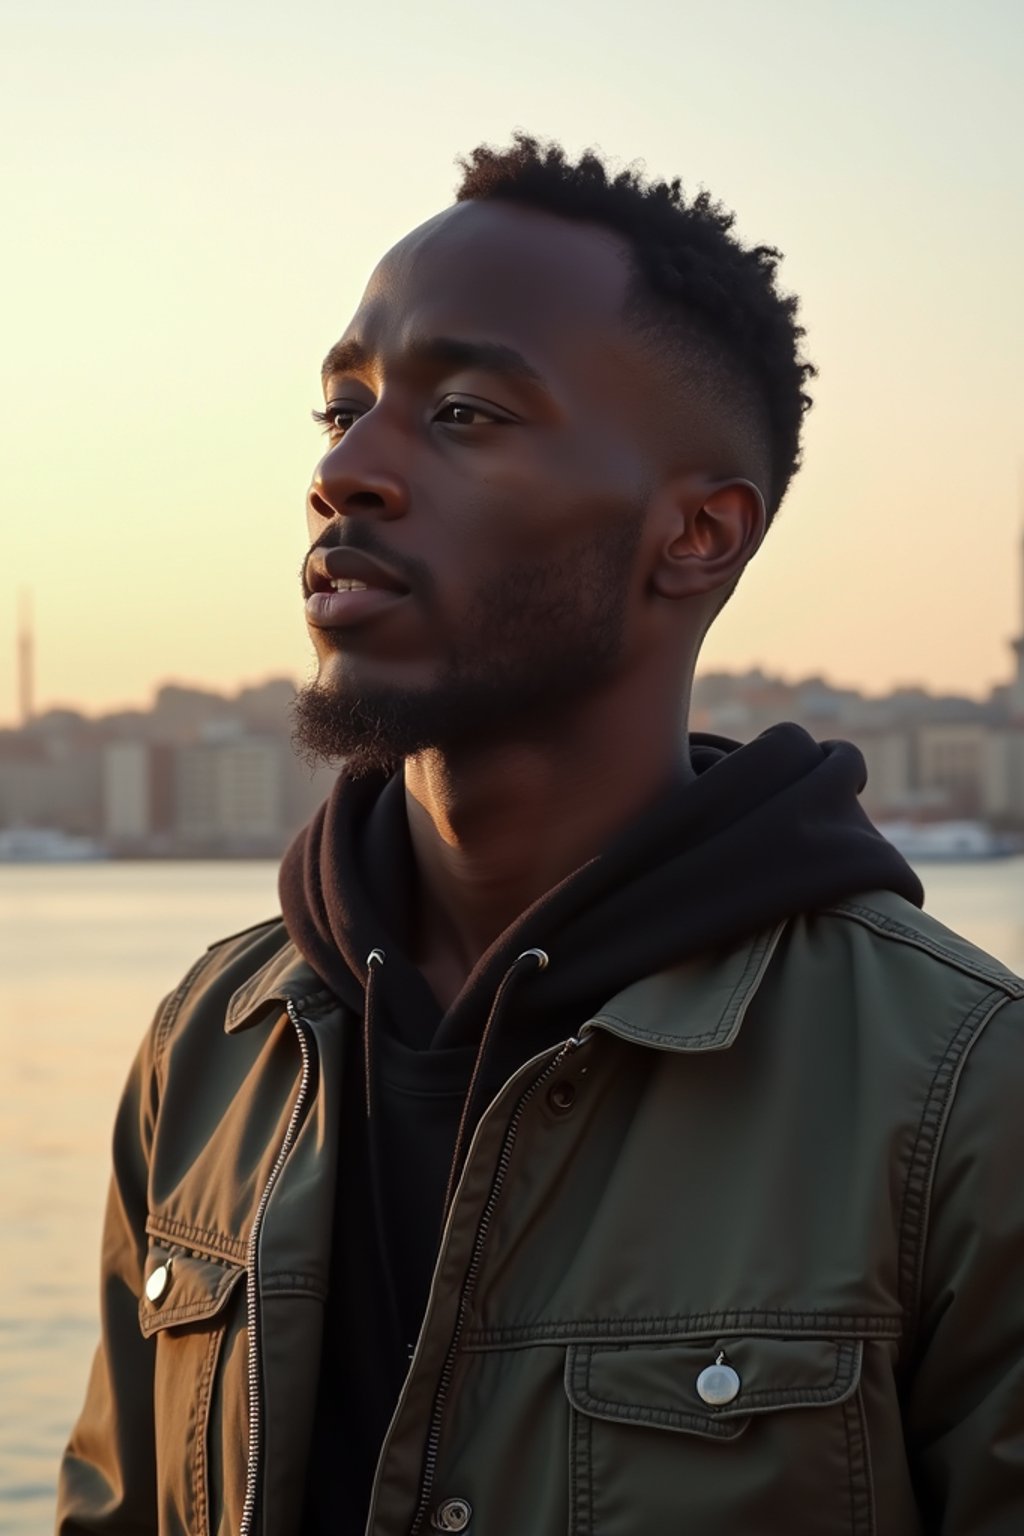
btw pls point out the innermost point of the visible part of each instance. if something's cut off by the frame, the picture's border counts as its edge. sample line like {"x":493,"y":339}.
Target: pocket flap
{"x":181,"y":1288}
{"x":657,"y":1384}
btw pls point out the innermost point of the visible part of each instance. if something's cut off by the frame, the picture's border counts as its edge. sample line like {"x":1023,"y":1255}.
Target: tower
{"x":1016,"y":694}
{"x":26,"y":660}
{"x":1012,"y":740}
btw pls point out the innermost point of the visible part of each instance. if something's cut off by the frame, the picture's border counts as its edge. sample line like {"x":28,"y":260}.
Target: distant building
{"x":25,"y":791}
{"x":929,"y":757}
{"x":26,"y":660}
{"x":127,"y":792}
{"x":889,"y":756}
{"x":953,"y":766}
{"x":228,"y":794}
{"x":1015,"y":692}
{"x":50,"y":777}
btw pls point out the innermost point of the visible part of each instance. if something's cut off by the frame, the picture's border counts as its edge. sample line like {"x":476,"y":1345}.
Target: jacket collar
{"x":285,"y":978}
{"x":697,"y":1006}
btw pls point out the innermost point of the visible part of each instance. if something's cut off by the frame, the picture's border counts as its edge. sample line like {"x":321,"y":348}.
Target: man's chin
{"x":364,"y":732}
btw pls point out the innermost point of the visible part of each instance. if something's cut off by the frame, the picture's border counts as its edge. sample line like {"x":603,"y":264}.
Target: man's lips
{"x":347,"y":586}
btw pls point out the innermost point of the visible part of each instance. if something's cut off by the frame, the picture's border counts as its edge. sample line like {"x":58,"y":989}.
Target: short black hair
{"x":690,"y":271}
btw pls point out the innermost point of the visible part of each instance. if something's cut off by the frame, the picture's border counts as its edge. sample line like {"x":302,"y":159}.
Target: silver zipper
{"x":469,"y":1285}
{"x":252,"y":1307}
{"x":396,"y":1415}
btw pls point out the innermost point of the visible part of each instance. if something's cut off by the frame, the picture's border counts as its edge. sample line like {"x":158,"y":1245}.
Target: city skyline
{"x":206,"y":773}
{"x":25,"y":683}
{"x":234,"y":686}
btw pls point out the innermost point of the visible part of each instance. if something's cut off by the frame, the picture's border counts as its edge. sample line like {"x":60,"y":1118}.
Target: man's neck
{"x":494,"y":831}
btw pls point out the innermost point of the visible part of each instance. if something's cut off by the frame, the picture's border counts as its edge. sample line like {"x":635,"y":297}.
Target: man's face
{"x":489,"y":426}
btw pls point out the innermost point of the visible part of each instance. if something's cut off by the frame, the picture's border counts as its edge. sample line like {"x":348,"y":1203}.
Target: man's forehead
{"x":495,"y":231}
{"x":496,"y":268}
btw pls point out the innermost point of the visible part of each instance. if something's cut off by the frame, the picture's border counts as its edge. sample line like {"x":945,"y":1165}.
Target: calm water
{"x":85,"y":954}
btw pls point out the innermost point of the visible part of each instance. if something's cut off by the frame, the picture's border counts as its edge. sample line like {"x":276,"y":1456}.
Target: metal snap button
{"x":718,"y":1384}
{"x":562,"y":1097}
{"x":452,"y":1515}
{"x":158,"y":1282}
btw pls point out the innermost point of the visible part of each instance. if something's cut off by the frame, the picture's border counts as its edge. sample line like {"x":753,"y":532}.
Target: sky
{"x":193,"y":196}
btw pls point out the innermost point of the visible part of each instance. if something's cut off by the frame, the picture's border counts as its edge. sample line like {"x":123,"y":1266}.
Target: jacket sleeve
{"x":107,"y":1476}
{"x":965,"y":1408}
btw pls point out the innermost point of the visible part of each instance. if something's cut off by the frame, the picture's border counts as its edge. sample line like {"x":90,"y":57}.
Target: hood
{"x":762,"y":832}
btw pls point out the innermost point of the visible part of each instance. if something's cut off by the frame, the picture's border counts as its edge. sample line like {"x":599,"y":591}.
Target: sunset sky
{"x":194,"y":194}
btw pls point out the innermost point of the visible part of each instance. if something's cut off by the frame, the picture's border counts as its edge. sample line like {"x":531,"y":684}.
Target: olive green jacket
{"x":800,"y":1160}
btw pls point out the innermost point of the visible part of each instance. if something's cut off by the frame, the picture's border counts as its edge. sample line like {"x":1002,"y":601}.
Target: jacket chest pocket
{"x":193,"y":1309}
{"x":752,"y":1434}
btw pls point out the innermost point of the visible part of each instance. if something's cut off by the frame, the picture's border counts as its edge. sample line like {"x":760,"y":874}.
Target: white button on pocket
{"x":718,"y":1384}
{"x":158,"y":1282}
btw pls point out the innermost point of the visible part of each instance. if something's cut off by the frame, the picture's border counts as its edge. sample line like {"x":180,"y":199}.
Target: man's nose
{"x":347,"y":483}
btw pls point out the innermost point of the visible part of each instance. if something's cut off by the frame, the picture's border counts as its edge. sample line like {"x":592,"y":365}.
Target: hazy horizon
{"x":198,"y":193}
{"x":231,"y":690}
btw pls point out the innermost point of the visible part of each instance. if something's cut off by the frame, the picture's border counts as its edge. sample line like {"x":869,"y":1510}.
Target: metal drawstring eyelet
{"x":539,"y":955}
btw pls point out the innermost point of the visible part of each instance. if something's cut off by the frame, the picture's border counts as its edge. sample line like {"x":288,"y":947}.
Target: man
{"x":604,"y":1141}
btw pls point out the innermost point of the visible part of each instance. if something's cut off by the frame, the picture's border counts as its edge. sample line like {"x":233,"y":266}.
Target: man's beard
{"x":539,"y":636}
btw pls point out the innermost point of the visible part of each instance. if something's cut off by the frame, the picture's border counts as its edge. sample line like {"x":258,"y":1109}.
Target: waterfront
{"x":85,"y":953}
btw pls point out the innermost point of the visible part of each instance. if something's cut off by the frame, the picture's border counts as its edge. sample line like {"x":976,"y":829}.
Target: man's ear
{"x":711,"y":533}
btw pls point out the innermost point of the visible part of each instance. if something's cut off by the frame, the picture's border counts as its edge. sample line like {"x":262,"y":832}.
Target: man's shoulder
{"x":893,"y":930}
{"x":910,"y":989}
{"x":914,"y":999}
{"x":245,"y":952}
{"x":223,"y":969}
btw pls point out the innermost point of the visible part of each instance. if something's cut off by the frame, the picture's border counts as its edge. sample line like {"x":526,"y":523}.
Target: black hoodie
{"x":762,"y":832}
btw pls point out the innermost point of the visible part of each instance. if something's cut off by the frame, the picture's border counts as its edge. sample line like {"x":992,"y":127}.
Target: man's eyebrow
{"x":344,"y":357}
{"x":440,"y":352}
{"x":491,"y":356}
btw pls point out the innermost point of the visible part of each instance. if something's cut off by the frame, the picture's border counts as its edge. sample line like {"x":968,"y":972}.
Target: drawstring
{"x":539,"y":959}
{"x":531,"y":958}
{"x":374,"y":959}
{"x":374,"y":962}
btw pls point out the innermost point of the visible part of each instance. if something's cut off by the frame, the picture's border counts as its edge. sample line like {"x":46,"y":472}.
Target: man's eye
{"x":459,"y":413}
{"x":336,"y":419}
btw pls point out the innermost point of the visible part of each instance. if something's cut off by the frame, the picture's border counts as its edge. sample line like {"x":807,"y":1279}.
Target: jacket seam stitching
{"x":683,"y":1042}
{"x":822,"y":1324}
{"x":759,"y":957}
{"x":204,"y":1243}
{"x":293,"y":1284}
{"x":856,"y":1405}
{"x":199,"y":1478}
{"x":758,"y":961}
{"x":663,"y":1418}
{"x":153,"y":1319}
{"x":302,"y":1001}
{"x":255,"y":993}
{"x":920,"y":1177}
{"x":851,"y":1492}
{"x":583,"y":1476}
{"x":193,"y":1311}
{"x":890,"y":928}
{"x":779,"y":1397}
{"x":174,"y":1003}
{"x":739,"y":994}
